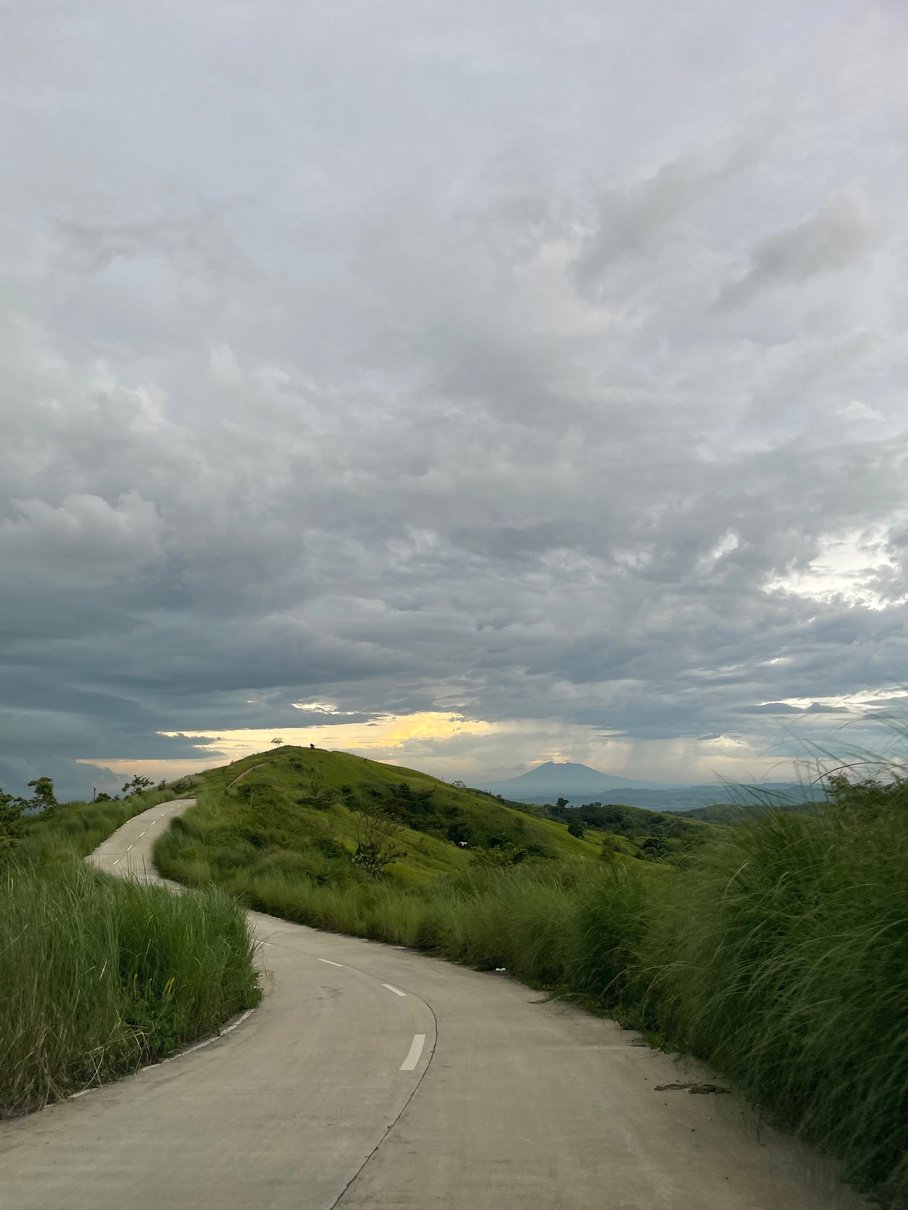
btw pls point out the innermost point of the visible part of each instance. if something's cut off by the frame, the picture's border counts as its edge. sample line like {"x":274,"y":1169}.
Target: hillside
{"x":336,"y":818}
{"x":651,"y":833}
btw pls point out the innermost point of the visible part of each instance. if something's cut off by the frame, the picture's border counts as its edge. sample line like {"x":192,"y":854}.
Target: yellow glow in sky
{"x":385,"y":738}
{"x":451,"y":745}
{"x":387,"y":733}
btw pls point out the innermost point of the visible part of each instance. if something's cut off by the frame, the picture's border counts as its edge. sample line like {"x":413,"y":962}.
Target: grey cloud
{"x":385,"y":370}
{"x":784,"y":708}
{"x":83,"y":539}
{"x":640,"y":220}
{"x":831,"y":239}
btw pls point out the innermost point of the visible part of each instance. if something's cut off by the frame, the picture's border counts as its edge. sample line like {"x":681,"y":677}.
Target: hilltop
{"x":334,"y":817}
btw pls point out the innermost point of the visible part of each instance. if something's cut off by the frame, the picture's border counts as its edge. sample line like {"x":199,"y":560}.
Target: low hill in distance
{"x":686,"y":799}
{"x":738,"y":812}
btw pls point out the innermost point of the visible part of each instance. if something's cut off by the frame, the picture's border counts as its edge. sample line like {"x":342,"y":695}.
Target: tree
{"x":10,"y":823}
{"x":654,"y":848}
{"x":377,"y":836}
{"x":44,"y":793}
{"x":577,"y":828}
{"x":277,"y":741}
{"x":319,"y":795}
{"x":137,"y":785}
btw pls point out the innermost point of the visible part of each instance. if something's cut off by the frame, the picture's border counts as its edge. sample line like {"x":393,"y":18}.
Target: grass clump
{"x":102,"y":975}
{"x":781,"y":956}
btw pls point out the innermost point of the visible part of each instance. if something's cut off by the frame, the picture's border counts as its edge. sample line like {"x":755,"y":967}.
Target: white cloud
{"x":857,"y":411}
{"x":854,"y":567}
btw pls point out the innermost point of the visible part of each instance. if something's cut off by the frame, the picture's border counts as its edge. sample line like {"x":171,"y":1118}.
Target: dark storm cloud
{"x":373,"y":357}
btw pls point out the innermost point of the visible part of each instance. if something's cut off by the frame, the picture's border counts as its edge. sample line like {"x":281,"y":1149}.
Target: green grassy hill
{"x":305,"y":811}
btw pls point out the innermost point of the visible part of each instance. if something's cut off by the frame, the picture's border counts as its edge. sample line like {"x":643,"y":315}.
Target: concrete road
{"x":372,"y":1076}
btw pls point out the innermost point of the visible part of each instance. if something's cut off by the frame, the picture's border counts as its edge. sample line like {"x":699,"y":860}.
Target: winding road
{"x":374,"y":1076}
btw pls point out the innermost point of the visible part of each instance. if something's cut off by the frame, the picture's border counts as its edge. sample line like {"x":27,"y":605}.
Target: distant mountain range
{"x":581,"y":784}
{"x":561,"y":779}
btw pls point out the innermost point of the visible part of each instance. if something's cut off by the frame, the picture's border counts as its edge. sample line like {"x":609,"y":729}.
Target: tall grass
{"x":100,"y":975}
{"x":67,"y":828}
{"x":782,"y":957}
{"x":570,"y":926}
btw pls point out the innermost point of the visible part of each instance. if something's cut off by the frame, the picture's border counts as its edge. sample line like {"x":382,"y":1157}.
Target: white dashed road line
{"x":413,"y":1055}
{"x":396,"y":990}
{"x":328,"y":962}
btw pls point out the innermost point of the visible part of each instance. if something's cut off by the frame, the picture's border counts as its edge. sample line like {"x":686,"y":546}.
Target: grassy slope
{"x":746,"y":811}
{"x":296,"y":811}
{"x":781,"y":956}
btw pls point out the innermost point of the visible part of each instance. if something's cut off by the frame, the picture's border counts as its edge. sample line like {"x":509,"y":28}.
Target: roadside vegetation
{"x":102,"y":975}
{"x":781,"y":956}
{"x":775,"y":948}
{"x":58,"y":830}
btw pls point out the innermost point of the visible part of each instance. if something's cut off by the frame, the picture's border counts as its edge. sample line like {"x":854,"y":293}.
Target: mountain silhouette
{"x":557,"y":779}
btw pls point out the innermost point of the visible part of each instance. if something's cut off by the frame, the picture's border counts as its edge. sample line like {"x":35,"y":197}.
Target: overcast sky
{"x":478,"y":383}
